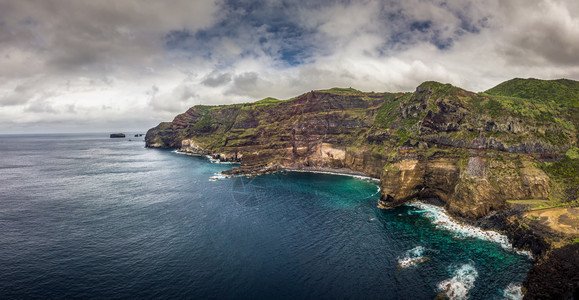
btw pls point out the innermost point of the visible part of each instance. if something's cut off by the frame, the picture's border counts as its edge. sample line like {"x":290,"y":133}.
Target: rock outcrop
{"x":471,"y":152}
{"x":555,"y":276}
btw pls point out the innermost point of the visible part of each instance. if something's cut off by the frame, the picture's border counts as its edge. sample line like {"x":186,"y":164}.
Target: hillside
{"x":484,"y":156}
{"x":508,"y":143}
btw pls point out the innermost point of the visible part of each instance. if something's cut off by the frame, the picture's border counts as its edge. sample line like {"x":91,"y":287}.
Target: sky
{"x":115,"y":65}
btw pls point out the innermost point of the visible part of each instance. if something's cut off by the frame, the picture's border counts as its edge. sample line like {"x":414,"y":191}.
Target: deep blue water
{"x":85,"y":216}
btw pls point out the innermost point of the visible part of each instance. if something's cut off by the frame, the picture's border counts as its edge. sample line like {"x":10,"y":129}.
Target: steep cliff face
{"x":471,"y":151}
{"x":312,"y":130}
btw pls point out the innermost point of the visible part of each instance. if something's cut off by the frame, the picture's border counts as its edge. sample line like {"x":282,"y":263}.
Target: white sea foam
{"x":513,"y":292}
{"x":442,"y":220}
{"x":377,"y":192}
{"x":412,"y":257}
{"x":179,"y":152}
{"x":211,"y":159}
{"x":458,"y":286}
{"x":217,"y":161}
{"x":185,"y":153}
{"x":218,"y":176}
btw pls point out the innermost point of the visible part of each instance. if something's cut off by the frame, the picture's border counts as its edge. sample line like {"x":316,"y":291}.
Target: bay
{"x":86,"y":216}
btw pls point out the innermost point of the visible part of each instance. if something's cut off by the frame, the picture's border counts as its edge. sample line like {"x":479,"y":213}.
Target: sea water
{"x":86,"y":216}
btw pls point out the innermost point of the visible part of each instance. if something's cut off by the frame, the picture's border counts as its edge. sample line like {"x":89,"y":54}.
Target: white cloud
{"x":96,"y":67}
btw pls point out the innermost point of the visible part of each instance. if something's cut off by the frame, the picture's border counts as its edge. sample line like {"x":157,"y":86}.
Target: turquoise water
{"x":85,"y":216}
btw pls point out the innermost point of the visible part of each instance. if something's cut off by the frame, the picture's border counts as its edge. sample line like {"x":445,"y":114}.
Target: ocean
{"x":86,"y":216}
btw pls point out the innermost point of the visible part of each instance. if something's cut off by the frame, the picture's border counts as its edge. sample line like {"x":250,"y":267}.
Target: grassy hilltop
{"x":484,"y":156}
{"x":521,"y":130}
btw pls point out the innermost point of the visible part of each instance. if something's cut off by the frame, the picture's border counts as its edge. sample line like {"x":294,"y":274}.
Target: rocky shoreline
{"x":554,"y":272}
{"x":482,"y":156}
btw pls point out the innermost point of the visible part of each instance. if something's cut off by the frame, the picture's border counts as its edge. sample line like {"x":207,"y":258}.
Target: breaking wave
{"x":442,"y":220}
{"x":513,"y":292}
{"x":217,"y":161}
{"x":462,"y":281}
{"x":412,"y":257}
{"x":218,"y":176}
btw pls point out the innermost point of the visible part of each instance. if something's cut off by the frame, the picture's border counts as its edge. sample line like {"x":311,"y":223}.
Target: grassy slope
{"x":552,"y":101}
{"x":563,"y":93}
{"x":548,"y":108}
{"x":267,"y":121}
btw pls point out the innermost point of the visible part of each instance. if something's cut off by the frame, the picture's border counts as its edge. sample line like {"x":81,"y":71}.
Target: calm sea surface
{"x":85,"y":216}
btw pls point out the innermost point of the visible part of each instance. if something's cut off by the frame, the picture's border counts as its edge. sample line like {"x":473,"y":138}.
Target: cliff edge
{"x":514,"y":146}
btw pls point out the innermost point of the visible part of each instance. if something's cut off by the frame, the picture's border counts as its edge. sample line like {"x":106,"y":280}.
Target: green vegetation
{"x":436,"y":121}
{"x":552,"y":206}
{"x":204,"y":124}
{"x":267,"y":101}
{"x":563,"y":92}
{"x":566,"y":169}
{"x":388,"y":167}
{"x":437,"y":89}
{"x":537,"y":103}
{"x":572,"y":153}
{"x":403,"y":136}
{"x":389,"y":111}
{"x":536,"y":205}
{"x":565,"y":174}
{"x":342,"y":90}
{"x":489,"y":106}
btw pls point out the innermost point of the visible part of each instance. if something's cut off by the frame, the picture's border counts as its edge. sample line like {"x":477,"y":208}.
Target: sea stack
{"x":117,"y":135}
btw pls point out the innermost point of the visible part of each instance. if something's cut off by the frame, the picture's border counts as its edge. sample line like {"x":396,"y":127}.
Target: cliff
{"x":479,"y":154}
{"x":471,"y":151}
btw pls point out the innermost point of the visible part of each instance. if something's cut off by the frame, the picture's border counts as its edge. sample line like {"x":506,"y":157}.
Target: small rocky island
{"x":505,"y":159}
{"x":117,"y":135}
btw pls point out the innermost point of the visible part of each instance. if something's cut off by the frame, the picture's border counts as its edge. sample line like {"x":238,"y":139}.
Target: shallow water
{"x":85,"y":216}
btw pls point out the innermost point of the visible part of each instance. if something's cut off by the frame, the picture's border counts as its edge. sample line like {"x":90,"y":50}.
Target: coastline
{"x":476,"y":156}
{"x":524,"y":241}
{"x":444,"y":221}
{"x":319,"y":170}
{"x":451,"y":223}
{"x":340,"y":172}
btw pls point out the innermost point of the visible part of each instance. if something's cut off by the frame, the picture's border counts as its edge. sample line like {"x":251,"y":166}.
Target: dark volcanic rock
{"x":438,"y":142}
{"x":470,"y":152}
{"x":555,"y":277}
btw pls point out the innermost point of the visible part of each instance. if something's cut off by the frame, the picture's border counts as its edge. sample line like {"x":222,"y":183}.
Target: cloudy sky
{"x":79,"y":66}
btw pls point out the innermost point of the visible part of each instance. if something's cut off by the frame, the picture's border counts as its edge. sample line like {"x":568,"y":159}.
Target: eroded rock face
{"x":470,"y":151}
{"x":556,"y":277}
{"x":189,"y":146}
{"x":401,"y":182}
{"x":481,"y":185}
{"x":439,"y":142}
{"x":414,"y":179}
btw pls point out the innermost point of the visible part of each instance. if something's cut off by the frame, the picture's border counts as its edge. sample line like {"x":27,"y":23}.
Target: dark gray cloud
{"x":544,"y":33}
{"x":66,"y":61}
{"x":96,"y":36}
{"x":22,"y":94}
{"x":215,"y":79}
{"x":176,"y":101}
